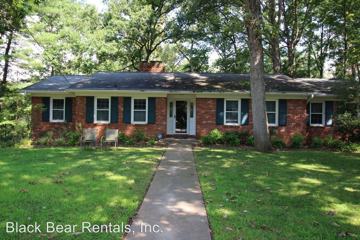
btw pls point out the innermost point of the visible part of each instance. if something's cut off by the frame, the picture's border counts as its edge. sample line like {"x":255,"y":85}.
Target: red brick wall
{"x":296,"y":121}
{"x":79,"y":118}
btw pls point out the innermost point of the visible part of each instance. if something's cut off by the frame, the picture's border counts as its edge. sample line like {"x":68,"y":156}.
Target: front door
{"x":181,"y":117}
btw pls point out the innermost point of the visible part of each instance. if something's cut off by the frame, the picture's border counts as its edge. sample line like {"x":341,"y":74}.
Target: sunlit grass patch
{"x":71,"y":185}
{"x":282,"y":195}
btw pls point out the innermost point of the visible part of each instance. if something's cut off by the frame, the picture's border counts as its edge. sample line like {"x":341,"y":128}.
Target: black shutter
{"x":114,"y":109}
{"x":282,"y":112}
{"x":219,"y":111}
{"x":329,"y":112}
{"x":308,"y":114}
{"x":151,"y":110}
{"x":244,"y":112}
{"x":45,"y":109}
{"x":89,"y":109}
{"x":127,"y":110}
{"x":68,"y":109}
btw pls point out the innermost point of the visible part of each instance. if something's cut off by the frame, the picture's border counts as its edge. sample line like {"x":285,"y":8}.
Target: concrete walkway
{"x":173,"y":207}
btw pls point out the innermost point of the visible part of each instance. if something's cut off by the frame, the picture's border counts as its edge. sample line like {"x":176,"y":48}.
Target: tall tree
{"x":253,"y":23}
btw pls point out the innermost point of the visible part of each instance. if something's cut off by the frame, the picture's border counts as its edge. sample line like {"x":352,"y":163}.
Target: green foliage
{"x":139,"y":136}
{"x":124,"y":139}
{"x":72,"y":138}
{"x":46,"y":139}
{"x":316,"y":142}
{"x":349,"y":125}
{"x":339,"y":145}
{"x":250,"y":141}
{"x":297,"y":141}
{"x":277,"y":142}
{"x":215,"y":136}
{"x":231,"y":138}
{"x":151,"y":142}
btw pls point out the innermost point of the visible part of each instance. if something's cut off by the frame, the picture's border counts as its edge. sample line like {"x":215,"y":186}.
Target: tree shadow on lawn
{"x":283,"y":195}
{"x":70,"y":186}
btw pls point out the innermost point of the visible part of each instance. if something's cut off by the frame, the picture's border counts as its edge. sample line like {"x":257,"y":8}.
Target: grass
{"x":71,"y":186}
{"x":282,"y":195}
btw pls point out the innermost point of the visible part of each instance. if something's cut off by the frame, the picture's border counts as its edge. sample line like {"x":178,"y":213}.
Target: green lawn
{"x":282,"y":195}
{"x":70,"y":186}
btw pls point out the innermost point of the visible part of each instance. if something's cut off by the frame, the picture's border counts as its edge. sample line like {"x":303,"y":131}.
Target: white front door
{"x":181,"y":116}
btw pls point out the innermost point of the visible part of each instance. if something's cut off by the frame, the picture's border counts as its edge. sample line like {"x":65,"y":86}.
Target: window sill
{"x":139,"y":123}
{"x":317,"y":125}
{"x":102,"y":122}
{"x":57,"y":121}
{"x":231,"y":124}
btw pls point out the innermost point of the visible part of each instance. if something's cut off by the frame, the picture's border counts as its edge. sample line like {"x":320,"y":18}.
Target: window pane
{"x":271,"y":118}
{"x":102,"y":115}
{"x":139,"y":104}
{"x":270,"y":106}
{"x":232,"y":117}
{"x":191,"y":110}
{"x":316,"y":119}
{"x":139,"y":116}
{"x":102,"y":103}
{"x":232,"y":105}
{"x":58,"y":114}
{"x":171,"y":109}
{"x":316,"y":108}
{"x":58,"y":103}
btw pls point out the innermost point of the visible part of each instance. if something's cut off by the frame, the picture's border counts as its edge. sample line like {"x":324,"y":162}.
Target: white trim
{"x":276,"y":112}
{"x":51,"y":111}
{"x":132,"y":110}
{"x":95,"y":110}
{"x":322,"y":114}
{"x":238,"y":111}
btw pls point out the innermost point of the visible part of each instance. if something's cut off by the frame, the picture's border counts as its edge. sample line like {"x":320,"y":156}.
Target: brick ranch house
{"x":179,"y":103}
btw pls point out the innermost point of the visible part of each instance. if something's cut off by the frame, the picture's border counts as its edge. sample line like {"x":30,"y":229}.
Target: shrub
{"x":206,"y":140}
{"x":277,"y":142}
{"x":216,"y":136}
{"x":243,"y":136}
{"x":46,"y":139}
{"x":348,"y":125}
{"x":337,"y":144}
{"x":297,"y":140}
{"x":123,"y":139}
{"x":59,"y":141}
{"x":317,"y":142}
{"x":151,"y":142}
{"x":72,"y":138}
{"x":139,"y":136}
{"x":250,"y":141}
{"x":231,"y":138}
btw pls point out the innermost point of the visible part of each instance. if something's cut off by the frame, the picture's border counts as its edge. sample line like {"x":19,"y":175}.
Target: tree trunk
{"x":274,"y":38}
{"x":260,"y":128}
{"x":7,"y":59}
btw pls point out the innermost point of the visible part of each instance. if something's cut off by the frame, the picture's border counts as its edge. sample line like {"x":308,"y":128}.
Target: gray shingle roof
{"x":194,"y":82}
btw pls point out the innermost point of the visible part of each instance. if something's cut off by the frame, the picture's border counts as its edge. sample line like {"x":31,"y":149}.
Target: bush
{"x":277,"y":142}
{"x":339,"y":145}
{"x":349,"y":125}
{"x":123,"y":139}
{"x":243,"y":136}
{"x":59,"y":141}
{"x":46,"y":139}
{"x":250,"y":141}
{"x":151,"y":142}
{"x":297,"y":141}
{"x":316,"y":142}
{"x":72,"y":138}
{"x":231,"y":138}
{"x":206,"y":140}
{"x":139,"y":136}
{"x":215,"y":136}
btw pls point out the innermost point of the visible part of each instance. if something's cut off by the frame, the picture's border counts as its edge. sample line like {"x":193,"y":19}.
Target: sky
{"x":100,"y":6}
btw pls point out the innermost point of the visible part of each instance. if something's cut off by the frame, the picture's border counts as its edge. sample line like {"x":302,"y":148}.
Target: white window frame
{"x":51,"y":110}
{"x":239,"y":112}
{"x":95,"y":110}
{"x":276,"y":113}
{"x":323,"y":115}
{"x":132,"y":110}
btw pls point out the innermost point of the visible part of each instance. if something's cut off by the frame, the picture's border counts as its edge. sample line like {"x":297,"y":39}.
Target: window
{"x":191,"y":109}
{"x":317,"y":114}
{"x":271,"y":113}
{"x":232,"y":109}
{"x":139,"y":111}
{"x":102,"y":110}
{"x":57,"y":110}
{"x":171,"y":109}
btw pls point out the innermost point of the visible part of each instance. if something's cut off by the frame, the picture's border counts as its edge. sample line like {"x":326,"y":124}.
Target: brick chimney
{"x":152,"y":66}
